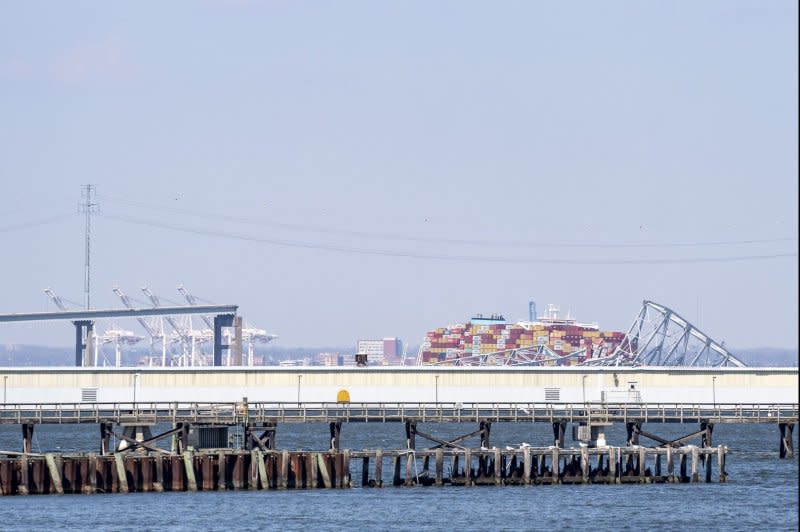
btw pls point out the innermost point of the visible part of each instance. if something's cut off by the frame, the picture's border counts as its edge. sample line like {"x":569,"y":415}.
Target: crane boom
{"x":127,"y":302}
{"x":193,"y":301}
{"x":57,"y":300}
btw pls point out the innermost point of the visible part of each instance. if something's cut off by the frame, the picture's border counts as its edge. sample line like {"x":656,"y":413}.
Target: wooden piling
{"x":24,"y":476}
{"x":585,"y":465}
{"x":695,"y":475}
{"x":468,"y":467}
{"x":642,"y":464}
{"x":365,"y":471}
{"x":396,"y":480}
{"x":311,"y":470}
{"x":261,"y":472}
{"x":410,"y":461}
{"x":498,"y":468}
{"x":283,"y":475}
{"x":723,"y":475}
{"x":379,"y":468}
{"x":346,"y":482}
{"x":188,"y":462}
{"x":175,"y":473}
{"x":670,"y":465}
{"x":439,"y":466}
{"x":222,"y":471}
{"x":555,"y":466}
{"x":324,"y":470}
{"x":526,"y":466}
{"x":158,"y":465}
{"x":122,"y":476}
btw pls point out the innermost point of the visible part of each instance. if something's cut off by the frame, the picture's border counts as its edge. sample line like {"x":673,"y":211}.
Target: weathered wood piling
{"x":221,"y":470}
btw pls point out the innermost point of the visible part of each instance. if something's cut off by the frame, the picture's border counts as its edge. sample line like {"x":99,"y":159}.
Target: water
{"x":762,"y":492}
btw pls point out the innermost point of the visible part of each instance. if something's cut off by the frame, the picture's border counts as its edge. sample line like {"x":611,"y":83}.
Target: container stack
{"x":494,"y":340}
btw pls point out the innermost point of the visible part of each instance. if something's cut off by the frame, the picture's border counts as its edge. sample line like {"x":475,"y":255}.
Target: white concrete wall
{"x":393,"y":384}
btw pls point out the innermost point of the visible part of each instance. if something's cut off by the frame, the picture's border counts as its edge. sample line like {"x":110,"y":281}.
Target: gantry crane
{"x":191,"y":339}
{"x":250,"y":335}
{"x":154,"y":326}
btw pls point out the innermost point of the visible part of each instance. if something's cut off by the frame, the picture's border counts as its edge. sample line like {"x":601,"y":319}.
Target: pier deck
{"x":233,"y":413}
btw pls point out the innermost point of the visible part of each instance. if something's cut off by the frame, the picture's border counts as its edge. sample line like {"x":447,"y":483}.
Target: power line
{"x":35,"y":223}
{"x":440,"y":240}
{"x":432,"y":256}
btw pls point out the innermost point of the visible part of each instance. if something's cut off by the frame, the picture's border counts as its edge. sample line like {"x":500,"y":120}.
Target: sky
{"x":354,"y":170}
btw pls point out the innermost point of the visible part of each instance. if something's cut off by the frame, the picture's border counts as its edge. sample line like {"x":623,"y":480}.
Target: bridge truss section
{"x":532,"y":356}
{"x":659,"y":336}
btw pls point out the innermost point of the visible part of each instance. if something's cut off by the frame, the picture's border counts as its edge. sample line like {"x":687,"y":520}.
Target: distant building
{"x":381,"y":352}
{"x":330,"y":359}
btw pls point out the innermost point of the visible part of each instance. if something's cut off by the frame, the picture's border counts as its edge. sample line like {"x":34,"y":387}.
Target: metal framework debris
{"x":659,"y":336}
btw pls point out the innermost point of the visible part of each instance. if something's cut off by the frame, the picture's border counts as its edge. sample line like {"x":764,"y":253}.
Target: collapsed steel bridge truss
{"x":531,"y":356}
{"x":661,"y":337}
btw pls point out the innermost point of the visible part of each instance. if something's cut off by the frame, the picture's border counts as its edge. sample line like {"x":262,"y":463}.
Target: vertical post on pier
{"x":485,"y":428}
{"x":365,"y":471}
{"x":498,"y":468}
{"x":670,"y":465}
{"x":723,"y":475}
{"x":555,"y":466}
{"x":336,"y":430}
{"x":439,"y":457}
{"x":706,"y":440}
{"x":526,"y":465}
{"x":222,"y":471}
{"x":106,"y":429}
{"x":27,"y":437}
{"x":633,"y":428}
{"x":695,"y":474}
{"x":396,"y":470}
{"x":585,"y":465}
{"x":468,"y":466}
{"x":411,"y":434}
{"x":559,"y":428}
{"x":283,"y":476}
{"x":24,"y":475}
{"x":379,"y":468}
{"x":786,"y":445}
{"x":411,"y":459}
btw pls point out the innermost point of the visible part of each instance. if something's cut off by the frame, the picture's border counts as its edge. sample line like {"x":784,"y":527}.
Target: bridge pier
{"x":84,"y":347}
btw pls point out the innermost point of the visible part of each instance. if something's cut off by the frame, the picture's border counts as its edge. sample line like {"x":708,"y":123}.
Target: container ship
{"x":542,"y":340}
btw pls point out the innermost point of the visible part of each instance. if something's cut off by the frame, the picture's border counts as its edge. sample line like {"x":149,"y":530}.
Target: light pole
{"x":714,"y":390}
{"x":299,"y":378}
{"x":583,"y":387}
{"x":5,"y":388}
{"x":437,"y":389}
{"x":136,"y":377}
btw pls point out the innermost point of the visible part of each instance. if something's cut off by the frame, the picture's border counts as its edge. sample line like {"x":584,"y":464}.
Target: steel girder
{"x":661,"y":337}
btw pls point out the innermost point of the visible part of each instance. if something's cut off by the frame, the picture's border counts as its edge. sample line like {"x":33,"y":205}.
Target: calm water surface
{"x":762,"y":492}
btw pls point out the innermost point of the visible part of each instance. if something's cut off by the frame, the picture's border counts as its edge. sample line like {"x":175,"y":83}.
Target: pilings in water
{"x":219,"y":470}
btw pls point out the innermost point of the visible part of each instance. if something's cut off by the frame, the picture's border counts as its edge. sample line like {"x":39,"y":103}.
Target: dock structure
{"x":227,"y":469}
{"x":203,"y":457}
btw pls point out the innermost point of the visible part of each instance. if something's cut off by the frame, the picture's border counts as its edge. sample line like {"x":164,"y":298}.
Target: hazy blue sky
{"x":347,"y":170}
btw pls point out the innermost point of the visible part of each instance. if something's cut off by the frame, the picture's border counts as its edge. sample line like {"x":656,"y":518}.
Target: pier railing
{"x":232,"y":413}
